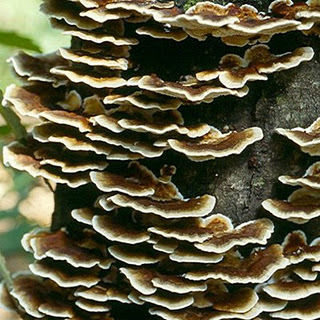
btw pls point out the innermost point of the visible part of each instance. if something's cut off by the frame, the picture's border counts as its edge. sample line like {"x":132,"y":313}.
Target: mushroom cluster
{"x":303,"y":204}
{"x":143,"y":247}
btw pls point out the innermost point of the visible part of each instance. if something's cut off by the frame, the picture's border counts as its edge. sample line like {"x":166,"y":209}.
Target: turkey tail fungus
{"x":141,"y":230}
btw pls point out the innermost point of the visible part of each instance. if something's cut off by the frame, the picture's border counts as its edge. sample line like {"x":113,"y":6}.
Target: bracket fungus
{"x":110,"y":111}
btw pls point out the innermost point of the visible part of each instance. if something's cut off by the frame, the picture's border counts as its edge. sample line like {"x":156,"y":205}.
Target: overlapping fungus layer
{"x":142,"y":248}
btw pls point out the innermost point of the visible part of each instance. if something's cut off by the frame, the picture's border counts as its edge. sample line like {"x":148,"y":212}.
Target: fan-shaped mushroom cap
{"x":137,"y":255}
{"x":64,"y":276}
{"x":72,"y":140}
{"x":305,"y":309}
{"x":190,"y":90}
{"x":296,"y":249}
{"x":256,"y":268}
{"x":292,"y":290}
{"x":170,"y":301}
{"x":102,"y":15}
{"x":234,"y":71}
{"x":311,"y":178}
{"x":37,"y":68}
{"x":127,"y":140}
{"x":92,"y":81}
{"x":92,"y":306}
{"x":189,"y":254}
{"x":197,"y":230}
{"x":302,"y":206}
{"x":216,"y":144}
{"x":112,"y":34}
{"x":161,"y":32}
{"x":127,"y":117}
{"x":177,"y":284}
{"x":308,"y":139}
{"x":103,"y":293}
{"x":195,"y":207}
{"x":200,"y":314}
{"x":239,"y":301}
{"x":29,"y":104}
{"x":140,"y":279}
{"x":59,"y":246}
{"x":145,"y":100}
{"x":256,"y":231}
{"x":137,"y":181}
{"x":83,"y":215}
{"x":21,"y":157}
{"x":69,"y":13}
{"x":37,"y":298}
{"x":95,"y":60}
{"x":113,"y":229}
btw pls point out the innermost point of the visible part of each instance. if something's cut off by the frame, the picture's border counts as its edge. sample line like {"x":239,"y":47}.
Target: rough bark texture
{"x":241,"y":182}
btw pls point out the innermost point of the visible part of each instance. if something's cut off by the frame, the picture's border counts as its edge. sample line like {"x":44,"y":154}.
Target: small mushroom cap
{"x":306,"y":273}
{"x":303,"y":204}
{"x":83,"y":215}
{"x":102,"y":15}
{"x":311,"y":178}
{"x":296,"y":248}
{"x":196,"y":207}
{"x":103,"y":293}
{"x":308,"y":139}
{"x":256,"y":268}
{"x":140,"y":279}
{"x":136,"y":255}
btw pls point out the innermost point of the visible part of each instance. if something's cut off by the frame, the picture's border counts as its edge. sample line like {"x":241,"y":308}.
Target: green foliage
{"x":12,"y":39}
{"x":4,"y":272}
{"x":190,"y":3}
{"x":13,"y":121}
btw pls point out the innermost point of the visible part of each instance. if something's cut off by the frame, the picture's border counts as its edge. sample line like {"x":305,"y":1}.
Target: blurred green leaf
{"x":12,"y":39}
{"x":12,"y":120}
{"x":4,"y":272}
{"x":10,"y":241}
{"x":4,"y":130}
